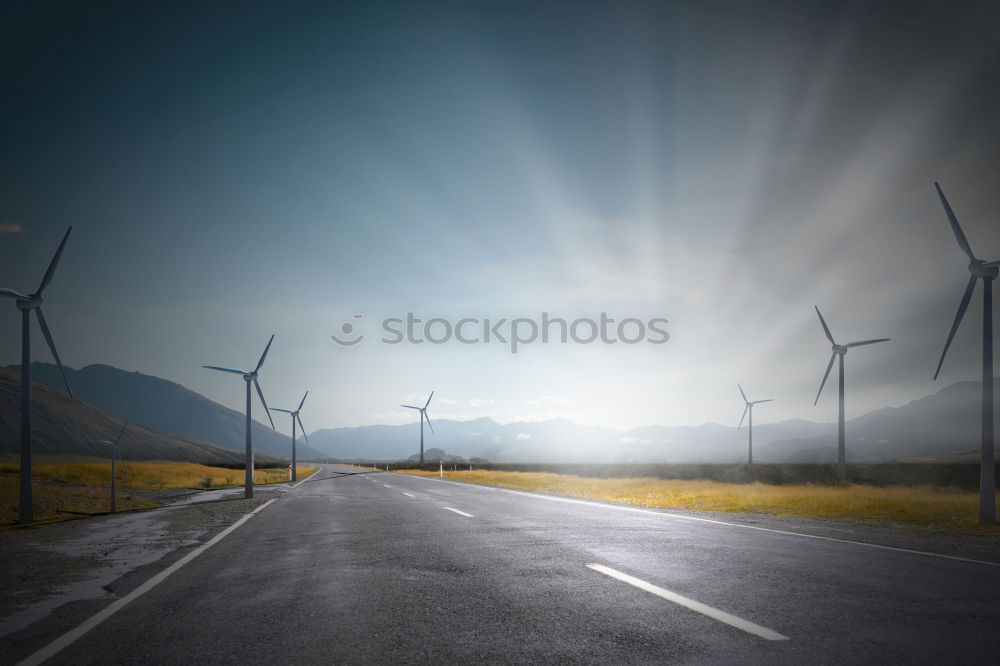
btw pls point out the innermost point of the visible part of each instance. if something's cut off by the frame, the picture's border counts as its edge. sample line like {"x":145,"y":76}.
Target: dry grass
{"x":57,"y":501}
{"x":916,"y":506}
{"x":81,"y":486}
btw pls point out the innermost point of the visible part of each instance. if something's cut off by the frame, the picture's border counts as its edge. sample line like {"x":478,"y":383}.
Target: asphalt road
{"x":381,"y":568}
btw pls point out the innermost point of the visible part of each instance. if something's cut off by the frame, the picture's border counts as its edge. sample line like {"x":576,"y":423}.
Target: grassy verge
{"x":915,"y":506}
{"x":64,"y":489}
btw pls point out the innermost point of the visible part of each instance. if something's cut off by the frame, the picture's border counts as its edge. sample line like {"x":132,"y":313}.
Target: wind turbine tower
{"x":250,"y":377}
{"x":295,"y":417}
{"x":987,"y":272}
{"x":114,"y":460}
{"x":28,"y":303}
{"x":423,"y":417}
{"x":746,"y":410}
{"x":839,"y":351}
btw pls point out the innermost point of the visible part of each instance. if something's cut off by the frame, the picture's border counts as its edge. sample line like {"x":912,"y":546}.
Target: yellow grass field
{"x":82,"y":486}
{"x":917,"y":506}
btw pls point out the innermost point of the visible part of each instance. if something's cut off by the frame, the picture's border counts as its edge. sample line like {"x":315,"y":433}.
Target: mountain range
{"x":62,"y":425}
{"x":166,"y":407}
{"x":944,"y":423}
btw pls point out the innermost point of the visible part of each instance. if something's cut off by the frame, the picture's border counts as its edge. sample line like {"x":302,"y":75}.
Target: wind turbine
{"x":114,"y":459}
{"x":26,"y":303}
{"x":295,"y":417}
{"x":250,"y":378}
{"x":749,"y":408}
{"x":841,"y":351}
{"x":987,"y":270}
{"x":423,"y":415}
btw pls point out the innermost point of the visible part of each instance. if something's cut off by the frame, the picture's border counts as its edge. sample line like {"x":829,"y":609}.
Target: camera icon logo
{"x":349,"y":329}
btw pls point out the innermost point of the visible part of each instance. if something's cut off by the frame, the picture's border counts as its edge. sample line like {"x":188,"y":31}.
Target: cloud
{"x":448,"y":401}
{"x":479,"y":402}
{"x":396,"y":415}
{"x":550,"y":400}
{"x":455,"y":416}
{"x":523,"y":435}
{"x":8,"y":228}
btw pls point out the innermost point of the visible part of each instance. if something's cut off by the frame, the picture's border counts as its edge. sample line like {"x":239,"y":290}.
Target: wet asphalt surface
{"x":368,"y":568}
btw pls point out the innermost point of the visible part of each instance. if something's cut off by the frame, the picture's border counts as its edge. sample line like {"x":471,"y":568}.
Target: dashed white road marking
{"x":461,"y":513}
{"x":70,"y":636}
{"x":408,"y":494}
{"x":696,"y":606}
{"x":677,"y":516}
{"x":387,"y":485}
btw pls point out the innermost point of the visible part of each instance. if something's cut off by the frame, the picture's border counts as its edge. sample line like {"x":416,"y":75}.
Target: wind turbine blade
{"x":959,"y":236}
{"x":826,"y":329}
{"x":260,"y":394}
{"x":10,"y":293}
{"x":428,"y":422}
{"x":823,"y":383}
{"x":279,"y":409}
{"x":411,"y":407}
{"x":429,"y":399}
{"x":862,"y":343}
{"x":122,"y":432}
{"x":991,"y":264}
{"x":235,"y":371}
{"x":742,"y":393}
{"x":264,"y":355}
{"x":52,"y":264}
{"x":745,"y":409}
{"x":302,"y":427}
{"x":303,"y":402}
{"x":757,"y":402}
{"x":962,"y":307}
{"x":52,"y":346}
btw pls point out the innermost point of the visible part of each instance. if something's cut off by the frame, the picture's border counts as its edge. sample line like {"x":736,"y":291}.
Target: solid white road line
{"x":73,"y":634}
{"x":307,"y":478}
{"x":461,"y":513}
{"x":408,"y":494}
{"x":664,"y":514}
{"x":696,"y":606}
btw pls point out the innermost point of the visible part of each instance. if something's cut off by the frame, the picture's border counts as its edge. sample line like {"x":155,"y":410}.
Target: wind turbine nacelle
{"x":976,"y":268}
{"x":839,"y":349}
{"x":33,"y":302}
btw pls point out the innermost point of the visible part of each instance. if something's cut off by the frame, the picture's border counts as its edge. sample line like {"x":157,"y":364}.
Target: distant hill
{"x":942,"y":423}
{"x":167,"y":407}
{"x":945,"y":422}
{"x":64,"y":425}
{"x":436,"y":455}
{"x":556,"y":440}
{"x":546,"y":441}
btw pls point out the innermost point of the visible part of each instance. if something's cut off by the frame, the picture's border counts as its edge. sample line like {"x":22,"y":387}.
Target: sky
{"x":234,"y":170}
